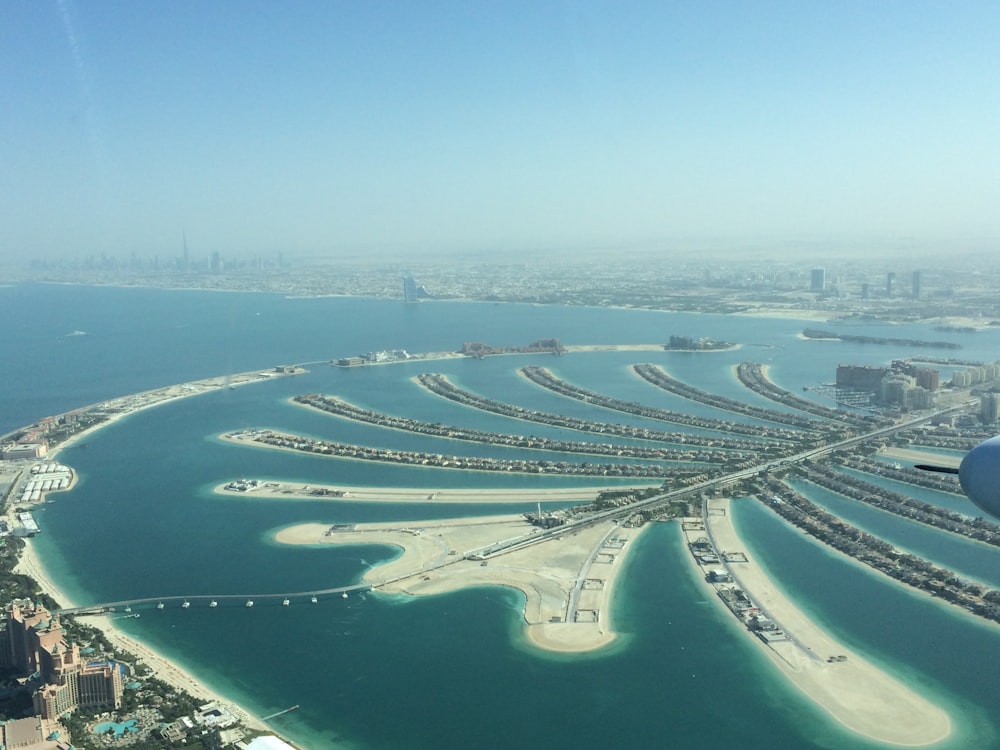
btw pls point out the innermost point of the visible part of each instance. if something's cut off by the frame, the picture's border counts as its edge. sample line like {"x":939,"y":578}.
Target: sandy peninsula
{"x":849,"y":688}
{"x":567,"y":581}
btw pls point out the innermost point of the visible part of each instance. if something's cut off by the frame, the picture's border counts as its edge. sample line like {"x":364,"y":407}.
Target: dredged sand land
{"x":567,"y":582}
{"x":852,"y":690}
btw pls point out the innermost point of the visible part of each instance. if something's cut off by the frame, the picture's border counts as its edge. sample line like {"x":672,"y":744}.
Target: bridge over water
{"x":501,"y":547}
{"x":216,"y":600}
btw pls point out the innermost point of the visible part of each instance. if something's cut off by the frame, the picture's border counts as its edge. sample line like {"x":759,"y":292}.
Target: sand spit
{"x":852,"y":690}
{"x":567,"y":581}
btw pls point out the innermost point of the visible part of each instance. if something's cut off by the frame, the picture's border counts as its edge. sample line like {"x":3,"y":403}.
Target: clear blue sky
{"x":326,"y":128}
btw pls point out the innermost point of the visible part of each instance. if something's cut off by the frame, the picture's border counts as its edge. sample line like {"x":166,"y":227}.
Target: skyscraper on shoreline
{"x":409,"y":289}
{"x":412,"y":291}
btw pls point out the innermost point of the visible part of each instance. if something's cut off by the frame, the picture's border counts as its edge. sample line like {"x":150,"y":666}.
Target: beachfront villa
{"x":35,"y":643}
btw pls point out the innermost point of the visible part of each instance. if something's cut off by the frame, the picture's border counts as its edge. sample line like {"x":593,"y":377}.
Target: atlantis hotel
{"x":36,"y":646}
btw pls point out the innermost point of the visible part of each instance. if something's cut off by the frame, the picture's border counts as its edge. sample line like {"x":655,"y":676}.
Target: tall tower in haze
{"x":409,"y":288}
{"x":817,"y":280}
{"x":916,"y":285}
{"x":889,"y":278}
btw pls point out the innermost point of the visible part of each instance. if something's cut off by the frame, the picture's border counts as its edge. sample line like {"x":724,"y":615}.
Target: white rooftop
{"x":269,"y":743}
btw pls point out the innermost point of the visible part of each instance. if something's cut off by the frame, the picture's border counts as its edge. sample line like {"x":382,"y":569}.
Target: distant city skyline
{"x":337,"y":129}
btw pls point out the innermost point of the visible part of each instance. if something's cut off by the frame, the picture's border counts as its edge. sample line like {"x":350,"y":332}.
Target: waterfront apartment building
{"x":860,"y":377}
{"x":36,"y":646}
{"x":13,"y":451}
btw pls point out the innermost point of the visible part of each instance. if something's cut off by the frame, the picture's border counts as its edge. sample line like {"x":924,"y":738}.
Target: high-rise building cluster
{"x":902,"y":385}
{"x":975,"y":375}
{"x":36,"y":646}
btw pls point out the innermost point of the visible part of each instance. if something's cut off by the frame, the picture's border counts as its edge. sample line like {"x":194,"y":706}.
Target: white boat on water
{"x":285,"y":603}
{"x":344,"y":595}
{"x":314,"y":600}
{"x":128,"y":609}
{"x":161,"y":605}
{"x":249,"y":603}
{"x":186,"y":604}
{"x":213,"y":603}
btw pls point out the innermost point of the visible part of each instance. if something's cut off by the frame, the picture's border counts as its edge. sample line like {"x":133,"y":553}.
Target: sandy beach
{"x":164,"y":669}
{"x":852,"y":690}
{"x":546,"y":593}
{"x":567,"y":581}
{"x":30,"y":564}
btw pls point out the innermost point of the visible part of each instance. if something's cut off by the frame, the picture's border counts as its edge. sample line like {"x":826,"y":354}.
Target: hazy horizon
{"x":392,"y":130}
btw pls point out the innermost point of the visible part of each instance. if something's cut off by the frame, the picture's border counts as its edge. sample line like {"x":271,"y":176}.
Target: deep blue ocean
{"x":448,"y":671}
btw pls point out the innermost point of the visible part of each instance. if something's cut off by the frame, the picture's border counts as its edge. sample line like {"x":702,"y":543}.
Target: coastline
{"x":567,"y":594}
{"x":857,"y":694}
{"x":30,"y":564}
{"x":546,"y":635}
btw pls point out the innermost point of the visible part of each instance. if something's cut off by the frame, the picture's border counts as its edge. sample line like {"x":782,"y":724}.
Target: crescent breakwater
{"x":815,"y":333}
{"x":418,"y":586}
{"x":62,"y":431}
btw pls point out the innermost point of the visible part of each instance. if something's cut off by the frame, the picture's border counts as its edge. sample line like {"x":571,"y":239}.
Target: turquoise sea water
{"x":454,"y":670}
